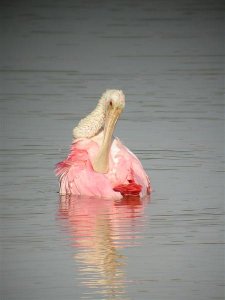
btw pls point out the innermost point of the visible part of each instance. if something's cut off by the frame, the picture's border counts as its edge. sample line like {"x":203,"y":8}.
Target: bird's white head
{"x":113,"y":99}
{"x":103,"y":117}
{"x":112,"y":103}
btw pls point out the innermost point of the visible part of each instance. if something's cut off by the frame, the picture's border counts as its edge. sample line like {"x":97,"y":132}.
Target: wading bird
{"x":99,"y":164}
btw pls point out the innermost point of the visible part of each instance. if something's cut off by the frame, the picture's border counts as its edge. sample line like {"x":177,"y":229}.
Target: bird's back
{"x":125,"y":176}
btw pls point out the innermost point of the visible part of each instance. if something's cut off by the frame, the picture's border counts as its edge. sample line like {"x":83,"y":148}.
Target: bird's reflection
{"x":100,"y":229}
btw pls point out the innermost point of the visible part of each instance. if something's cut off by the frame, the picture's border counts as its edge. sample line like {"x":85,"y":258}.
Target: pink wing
{"x":129,"y":166}
{"x":126,"y":175}
{"x":77,"y":176}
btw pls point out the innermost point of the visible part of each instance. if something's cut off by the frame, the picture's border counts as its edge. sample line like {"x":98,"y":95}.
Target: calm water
{"x":57,"y":58}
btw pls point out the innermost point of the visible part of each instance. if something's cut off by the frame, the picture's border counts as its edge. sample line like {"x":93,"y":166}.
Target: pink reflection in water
{"x":99,"y":230}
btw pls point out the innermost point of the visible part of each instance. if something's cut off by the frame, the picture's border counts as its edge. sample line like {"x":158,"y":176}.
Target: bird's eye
{"x":110,"y":103}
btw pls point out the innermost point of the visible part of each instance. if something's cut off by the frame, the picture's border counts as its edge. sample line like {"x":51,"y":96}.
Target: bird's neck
{"x":92,"y":127}
{"x":92,"y":124}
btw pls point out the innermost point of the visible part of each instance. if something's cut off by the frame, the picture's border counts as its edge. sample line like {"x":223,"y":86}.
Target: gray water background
{"x":168,"y":57}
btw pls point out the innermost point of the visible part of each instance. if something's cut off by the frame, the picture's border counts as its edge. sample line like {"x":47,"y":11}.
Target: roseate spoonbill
{"x":99,"y":164}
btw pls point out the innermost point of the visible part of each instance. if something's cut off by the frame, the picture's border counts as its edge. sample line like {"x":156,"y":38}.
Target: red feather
{"x":132,"y":188}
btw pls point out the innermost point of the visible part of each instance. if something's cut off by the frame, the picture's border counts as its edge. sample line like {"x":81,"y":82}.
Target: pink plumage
{"x":80,"y":173}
